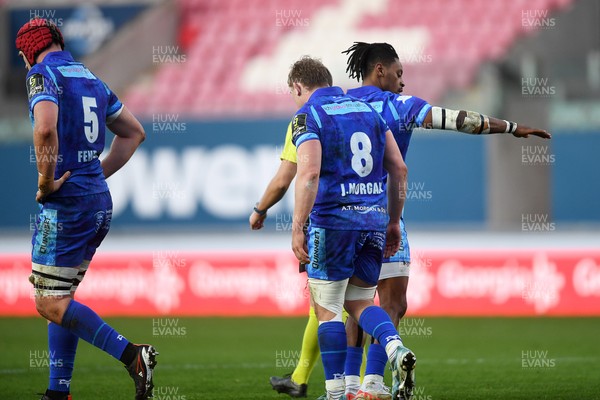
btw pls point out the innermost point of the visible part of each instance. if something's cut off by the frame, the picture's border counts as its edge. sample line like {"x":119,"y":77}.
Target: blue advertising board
{"x":207,"y":174}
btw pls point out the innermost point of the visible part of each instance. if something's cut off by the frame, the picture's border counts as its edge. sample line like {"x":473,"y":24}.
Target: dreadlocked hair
{"x":362,"y":58}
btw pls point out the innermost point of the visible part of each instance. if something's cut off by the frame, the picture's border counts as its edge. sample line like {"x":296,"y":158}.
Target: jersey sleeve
{"x":114,"y":105}
{"x":383,"y":126}
{"x":289,"y":150}
{"x":41,"y":87}
{"x":304,"y":127}
{"x":414,"y":108}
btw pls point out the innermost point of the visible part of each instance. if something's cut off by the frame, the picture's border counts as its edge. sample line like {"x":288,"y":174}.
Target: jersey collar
{"x":327,"y":91}
{"x":363,"y":91}
{"x":59,"y":55}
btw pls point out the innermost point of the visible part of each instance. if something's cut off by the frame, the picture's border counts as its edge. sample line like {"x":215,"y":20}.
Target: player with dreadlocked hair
{"x":362,"y":57}
{"x":378,"y":66}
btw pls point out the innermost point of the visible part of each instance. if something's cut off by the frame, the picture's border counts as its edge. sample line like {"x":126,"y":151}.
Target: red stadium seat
{"x":221,"y":38}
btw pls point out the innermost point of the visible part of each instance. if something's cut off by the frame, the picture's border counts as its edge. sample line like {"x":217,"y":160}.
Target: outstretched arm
{"x":476,"y":123}
{"x":273,"y":193}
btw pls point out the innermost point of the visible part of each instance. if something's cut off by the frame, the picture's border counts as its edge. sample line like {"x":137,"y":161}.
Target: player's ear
{"x":297,"y":89}
{"x":380,"y":70}
{"x":27,"y":65}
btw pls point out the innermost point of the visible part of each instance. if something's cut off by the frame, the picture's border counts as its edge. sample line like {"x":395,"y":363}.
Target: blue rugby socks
{"x":376,"y":360}
{"x":332,"y":342}
{"x":86,"y":324}
{"x":377,"y":323}
{"x":354,"y":359}
{"x":62,"y":346}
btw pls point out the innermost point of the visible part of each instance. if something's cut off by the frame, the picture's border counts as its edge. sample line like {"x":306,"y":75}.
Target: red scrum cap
{"x":36,"y":36}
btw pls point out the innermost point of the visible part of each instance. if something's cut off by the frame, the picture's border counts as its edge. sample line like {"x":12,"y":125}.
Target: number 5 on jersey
{"x":90,"y":118}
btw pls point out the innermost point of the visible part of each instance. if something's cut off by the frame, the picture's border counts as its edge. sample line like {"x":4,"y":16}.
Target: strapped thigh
{"x":329,"y":295}
{"x":52,"y":281}
{"x":354,"y":292}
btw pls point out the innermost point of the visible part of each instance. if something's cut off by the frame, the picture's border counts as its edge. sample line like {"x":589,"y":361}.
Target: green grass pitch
{"x":232,"y":358}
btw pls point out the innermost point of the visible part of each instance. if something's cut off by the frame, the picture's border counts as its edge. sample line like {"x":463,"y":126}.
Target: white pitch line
{"x":16,"y":371}
{"x":421,"y":361}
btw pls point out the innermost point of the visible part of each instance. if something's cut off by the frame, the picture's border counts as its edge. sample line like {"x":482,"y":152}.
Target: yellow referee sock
{"x":363,"y":366}
{"x":310,"y":350}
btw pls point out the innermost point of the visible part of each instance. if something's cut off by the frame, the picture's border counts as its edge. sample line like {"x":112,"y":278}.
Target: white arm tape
{"x":511,"y":127}
{"x":445,"y":118}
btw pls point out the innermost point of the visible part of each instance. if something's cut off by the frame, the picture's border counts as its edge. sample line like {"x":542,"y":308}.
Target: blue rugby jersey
{"x":401,"y":112}
{"x":351,"y":194}
{"x":85,"y":105}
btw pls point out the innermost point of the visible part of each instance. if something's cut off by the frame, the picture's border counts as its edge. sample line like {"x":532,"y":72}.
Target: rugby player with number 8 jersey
{"x":344,"y":150}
